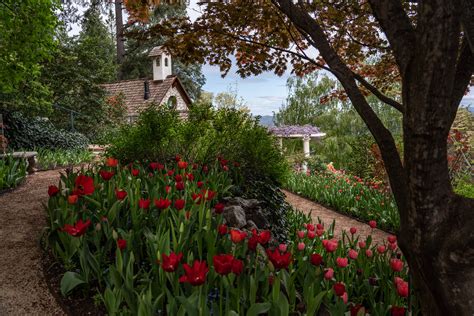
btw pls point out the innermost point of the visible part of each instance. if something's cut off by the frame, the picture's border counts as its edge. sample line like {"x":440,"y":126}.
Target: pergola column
{"x":306,"y":151}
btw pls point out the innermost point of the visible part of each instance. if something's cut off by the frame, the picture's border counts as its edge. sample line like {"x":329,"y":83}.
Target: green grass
{"x":12,"y":172}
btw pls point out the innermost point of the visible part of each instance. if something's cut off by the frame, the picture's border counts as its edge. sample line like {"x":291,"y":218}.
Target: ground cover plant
{"x":12,"y":172}
{"x":348,"y":194}
{"x":50,"y":159}
{"x":149,"y":239}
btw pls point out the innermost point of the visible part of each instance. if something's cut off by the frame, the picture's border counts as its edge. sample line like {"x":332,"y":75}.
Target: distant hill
{"x":267,"y":120}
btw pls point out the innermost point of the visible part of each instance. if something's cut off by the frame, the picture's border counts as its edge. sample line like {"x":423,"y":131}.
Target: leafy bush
{"x":50,"y":159}
{"x":350,"y":195}
{"x":29,"y":133}
{"x":12,"y":172}
{"x":464,"y":187}
{"x":159,"y":134}
{"x":148,"y":246}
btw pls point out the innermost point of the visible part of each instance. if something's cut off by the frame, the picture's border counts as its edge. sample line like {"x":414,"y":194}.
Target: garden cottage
{"x":165,"y":88}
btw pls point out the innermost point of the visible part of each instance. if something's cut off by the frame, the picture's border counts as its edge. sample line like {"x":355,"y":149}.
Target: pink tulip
{"x":362,"y":244}
{"x":283,"y":247}
{"x":353,"y":230}
{"x":329,"y":274}
{"x":369,"y":253}
{"x":301,"y":246}
{"x":300,"y":234}
{"x":341,"y":262}
{"x":353,"y":254}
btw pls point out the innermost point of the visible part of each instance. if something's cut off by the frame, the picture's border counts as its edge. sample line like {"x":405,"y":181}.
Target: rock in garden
{"x":234,"y":215}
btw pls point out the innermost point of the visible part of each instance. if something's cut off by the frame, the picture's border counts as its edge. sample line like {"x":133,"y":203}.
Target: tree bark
{"x":119,"y":34}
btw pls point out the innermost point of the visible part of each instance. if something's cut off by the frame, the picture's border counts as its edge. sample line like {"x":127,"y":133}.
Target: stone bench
{"x":30,"y":157}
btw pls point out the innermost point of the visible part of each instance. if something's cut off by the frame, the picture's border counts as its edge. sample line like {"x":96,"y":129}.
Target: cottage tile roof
{"x":134,"y":91}
{"x":156,"y":51}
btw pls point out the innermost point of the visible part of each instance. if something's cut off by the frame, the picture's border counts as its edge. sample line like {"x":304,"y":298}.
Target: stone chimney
{"x":161,"y":63}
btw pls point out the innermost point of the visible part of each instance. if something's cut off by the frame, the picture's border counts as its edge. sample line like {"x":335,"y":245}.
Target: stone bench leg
{"x":31,"y":164}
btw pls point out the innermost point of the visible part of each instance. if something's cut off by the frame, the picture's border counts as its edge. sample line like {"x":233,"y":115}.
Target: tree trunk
{"x":119,"y":34}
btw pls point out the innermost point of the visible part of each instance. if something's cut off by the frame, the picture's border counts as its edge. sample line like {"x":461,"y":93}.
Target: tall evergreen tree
{"x":137,"y":64}
{"x":79,"y":67}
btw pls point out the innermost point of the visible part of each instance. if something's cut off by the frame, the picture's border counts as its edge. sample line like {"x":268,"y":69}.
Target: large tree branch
{"x":398,"y":29}
{"x":381,"y":134}
{"x":382,"y":97}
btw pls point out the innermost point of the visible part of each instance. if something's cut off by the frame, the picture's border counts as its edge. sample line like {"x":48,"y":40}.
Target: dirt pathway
{"x":23,"y":290}
{"x":327,"y":216}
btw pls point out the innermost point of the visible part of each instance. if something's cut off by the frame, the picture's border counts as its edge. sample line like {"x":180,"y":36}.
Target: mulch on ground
{"x":327,"y":216}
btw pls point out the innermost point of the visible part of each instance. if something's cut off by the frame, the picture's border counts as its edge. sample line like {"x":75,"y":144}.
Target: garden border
{"x":9,"y":190}
{"x":337,"y":211}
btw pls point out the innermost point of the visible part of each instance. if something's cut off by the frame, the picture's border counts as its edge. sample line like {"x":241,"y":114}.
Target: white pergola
{"x":306,"y":132}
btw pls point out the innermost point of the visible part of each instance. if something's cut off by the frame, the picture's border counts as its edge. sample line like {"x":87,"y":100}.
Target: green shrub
{"x":465,"y":188}
{"x":159,"y":134}
{"x":12,"y":172}
{"x":32,"y":132}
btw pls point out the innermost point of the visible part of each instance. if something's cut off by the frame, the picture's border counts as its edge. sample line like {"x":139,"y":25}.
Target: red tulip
{"x":362,"y":244}
{"x":368,"y":253}
{"x":310,"y":227}
{"x":53,"y":190}
{"x":167,"y":189}
{"x":179,"y":204}
{"x":156,"y":166}
{"x":402,"y":288}
{"x":341,"y":262}
{"x":178,"y":178}
{"x":381,"y":249}
{"x":320,"y":226}
{"x":72,"y":199}
{"x":279,"y":260}
{"x":392,"y":239}
{"x":78,"y":229}
{"x":135,"y":172}
{"x":264,"y":237}
{"x":311,"y":234}
{"x":187,"y":214}
{"x":301,"y":234}
{"x":330,"y":245}
{"x":223,"y":263}
{"x":356,"y":309}
{"x":179,"y":186}
{"x":219,"y":208}
{"x":144,"y":203}
{"x":170,"y":263}
{"x":195,"y":166}
{"x":106,"y":175}
{"x":182,"y":164}
{"x":316,"y":259}
{"x":162,"y":204}
{"x":208,"y":194}
{"x":353,"y":254}
{"x":222,"y":229}
{"x":237,"y":266}
{"x":396,"y":265}
{"x":252,"y":243}
{"x":196,"y":198}
{"x":121,"y":244}
{"x":372,"y":224}
{"x":392,"y":246}
{"x":397,"y":311}
{"x":177,"y":158}
{"x":339,"y":288}
{"x":111,"y":162}
{"x":190,"y":177}
{"x":195,"y":275}
{"x":170,"y":172}
{"x":120,"y":194}
{"x":329,"y":274}
{"x":84,"y":185}
{"x":353,"y":230}
{"x":237,"y":236}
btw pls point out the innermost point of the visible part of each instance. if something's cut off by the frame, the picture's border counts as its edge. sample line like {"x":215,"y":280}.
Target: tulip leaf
{"x":258,"y":308}
{"x":69,"y":281}
{"x":188,"y":306}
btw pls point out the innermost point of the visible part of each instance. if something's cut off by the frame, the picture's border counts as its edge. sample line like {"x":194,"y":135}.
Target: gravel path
{"x":327,"y":216}
{"x":23,"y":290}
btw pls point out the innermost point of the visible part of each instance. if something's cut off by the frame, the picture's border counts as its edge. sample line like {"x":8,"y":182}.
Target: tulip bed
{"x":348,"y":194}
{"x":149,"y":239}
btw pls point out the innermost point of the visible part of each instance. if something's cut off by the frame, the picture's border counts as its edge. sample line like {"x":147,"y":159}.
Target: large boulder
{"x":253,"y":213}
{"x":234,"y":216}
